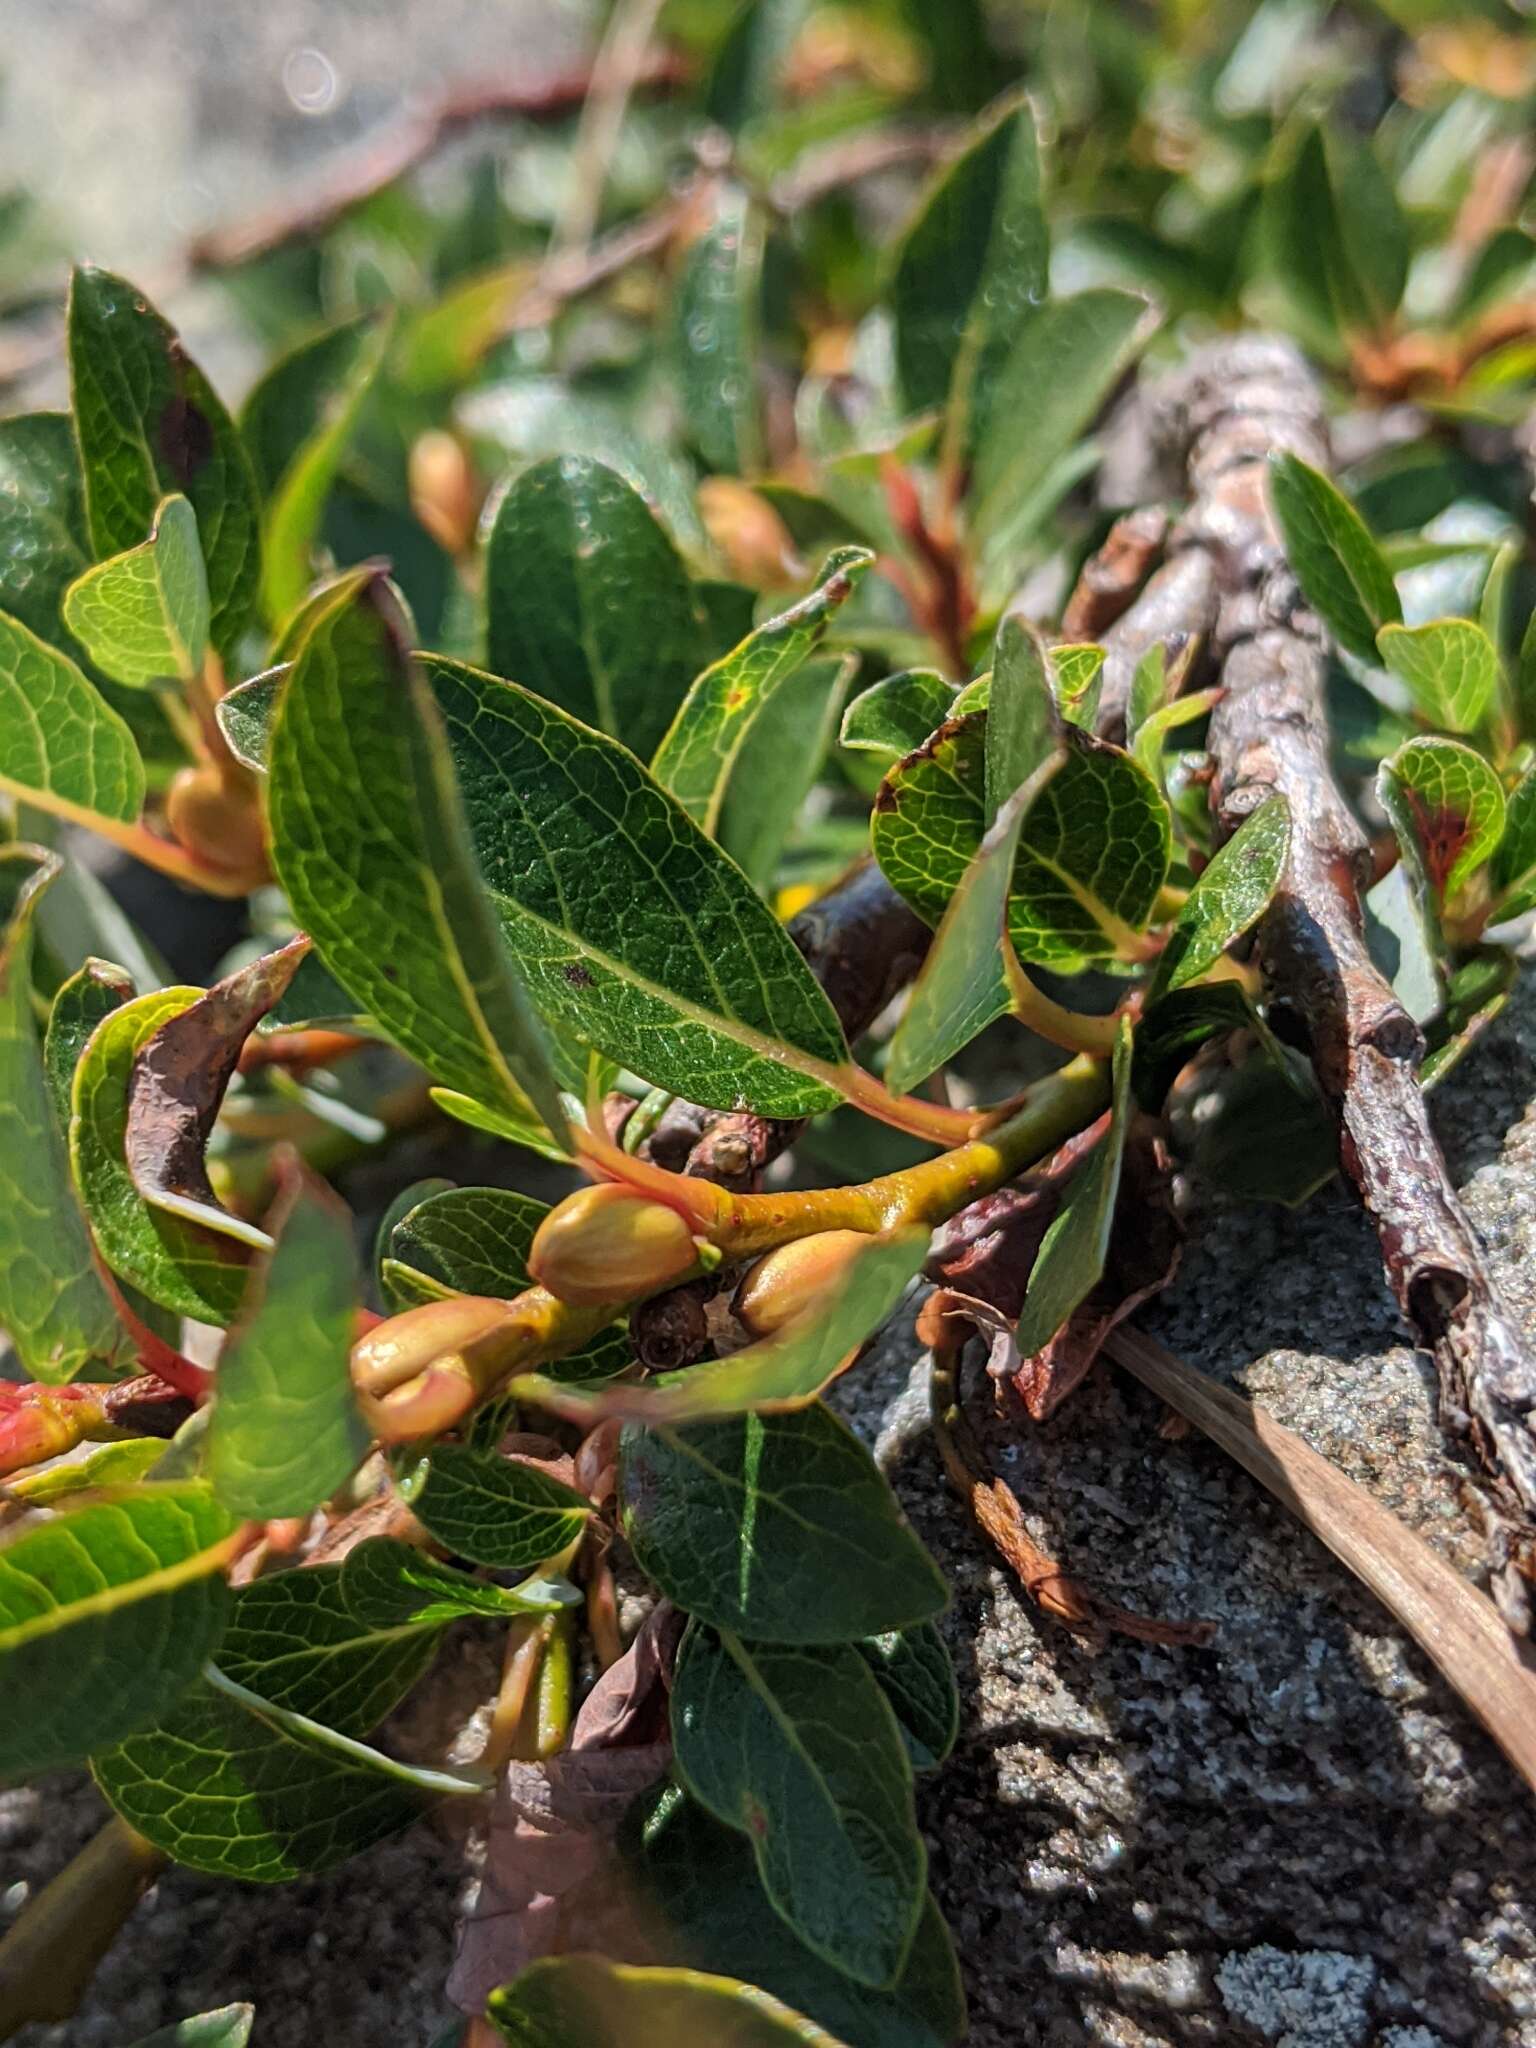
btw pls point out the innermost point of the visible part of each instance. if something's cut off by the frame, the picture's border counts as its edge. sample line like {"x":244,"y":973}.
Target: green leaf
{"x":1514,"y":864}
{"x":698,"y":757}
{"x":62,"y":746}
{"x":43,"y":546}
{"x":91,"y":993}
{"x":1021,"y":733}
{"x":1176,"y":1026}
{"x":702,"y":1879}
{"x":229,"y":1784}
{"x":106,"y":1615}
{"x":1342,"y":572}
{"x":149,"y":424}
{"x":1451,"y":669}
{"x":972,"y":260}
{"x":1092,"y":858}
{"x":715,"y":318}
{"x":182,"y":1265}
{"x":778,"y":1527}
{"x":896,"y":715}
{"x":1064,"y":359}
{"x":633,"y":932}
{"x":490,"y":1509}
{"x":368,"y":840}
{"x":1337,"y":239}
{"x":784,"y":1371}
{"x":1153,"y":730}
{"x":778,"y":765}
{"x":1230,"y":895}
{"x":1447,"y":809}
{"x":114,"y":1465}
{"x":963,"y":984}
{"x":393,"y":1585}
{"x":799,"y":1749}
{"x":1149,"y":689}
{"x":575,"y":556}
{"x":1525,"y":679}
{"x":142,"y":616}
{"x":1077,"y":680}
{"x":229,"y":2027}
{"x":296,"y":498}
{"x":1476,"y":992}
{"x":53,"y":1307}
{"x":286,"y":1430}
{"x":1072,"y":1253}
{"x":584,"y":2001}
{"x":245,"y":716}
{"x":912,"y":1668}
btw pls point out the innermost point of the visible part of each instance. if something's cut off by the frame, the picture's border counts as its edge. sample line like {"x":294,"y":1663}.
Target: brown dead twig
{"x":1219,"y":418}
{"x":1458,"y":1628}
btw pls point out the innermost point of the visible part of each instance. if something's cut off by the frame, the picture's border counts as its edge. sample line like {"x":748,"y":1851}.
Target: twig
{"x":944,"y":1325}
{"x":616,"y":70}
{"x":402,"y":148}
{"x":1225,"y":412}
{"x":1458,"y":1628}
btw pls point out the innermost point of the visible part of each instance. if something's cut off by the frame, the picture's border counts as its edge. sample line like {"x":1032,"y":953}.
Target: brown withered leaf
{"x":551,"y":1880}
{"x":988,"y":1250}
{"x":178,"y":1083}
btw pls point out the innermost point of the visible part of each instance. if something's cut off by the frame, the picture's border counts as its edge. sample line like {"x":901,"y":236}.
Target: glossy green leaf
{"x":972,"y":260}
{"x":633,"y":932}
{"x":232,"y":1785}
{"x":1077,"y":680}
{"x":394,"y":1585}
{"x":1230,"y":895}
{"x":229,"y":2027}
{"x":573,"y":547}
{"x":702,"y":1881}
{"x":782,"y":1372}
{"x":91,"y":993}
{"x":1021,"y":733}
{"x":1342,"y":572}
{"x":297,"y":492}
{"x":715,"y":317}
{"x":1267,"y":1135}
{"x":1176,"y":1026}
{"x":524,"y":1130}
{"x":582,"y":2001}
{"x":778,"y":1527}
{"x":912,"y":1667}
{"x":698,"y":758}
{"x":896,"y":715}
{"x":1476,"y":992}
{"x":245,"y":716}
{"x":1092,"y":858}
{"x":1338,"y":241}
{"x":1148,"y":692}
{"x":62,"y":746}
{"x":182,"y":1265}
{"x":142,"y":616}
{"x":1525,"y":679}
{"x":106,"y":1615}
{"x":778,"y":764}
{"x":369,"y":842}
{"x":490,"y":1509}
{"x":43,"y":545}
{"x":963,"y":984}
{"x":475,"y":1240}
{"x":1514,"y":864}
{"x":1153,"y":730}
{"x":1072,"y":1253}
{"x":286,"y":1429}
{"x":150,"y":424}
{"x":1063,"y":360}
{"x":799,"y":1749}
{"x":53,"y":1307}
{"x":1447,"y":809}
{"x":1451,"y":669}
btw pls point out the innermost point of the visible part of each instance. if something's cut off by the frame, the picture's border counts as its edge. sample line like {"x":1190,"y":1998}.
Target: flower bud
{"x":607,"y":1243}
{"x":214,"y":822}
{"x":403,"y":1346}
{"x":785,"y":1283}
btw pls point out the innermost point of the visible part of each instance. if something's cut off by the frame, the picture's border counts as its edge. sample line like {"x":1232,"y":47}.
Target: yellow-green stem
{"x":1051,"y":1020}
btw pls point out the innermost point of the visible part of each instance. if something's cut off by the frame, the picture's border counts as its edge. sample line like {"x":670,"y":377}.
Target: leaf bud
{"x":607,"y":1243}
{"x":214,"y":822}
{"x":403,"y":1346}
{"x":443,"y":492}
{"x":785,"y":1283}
